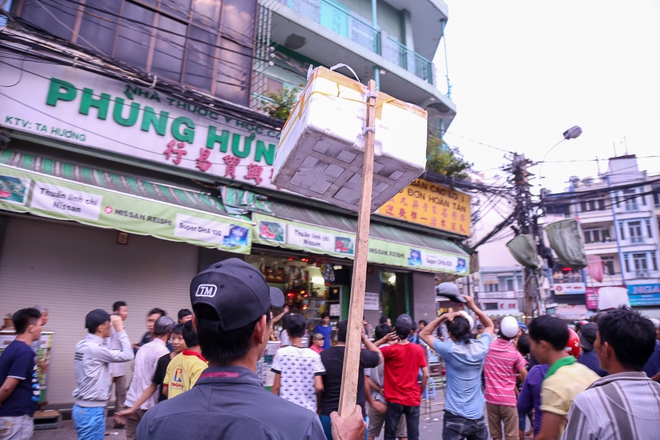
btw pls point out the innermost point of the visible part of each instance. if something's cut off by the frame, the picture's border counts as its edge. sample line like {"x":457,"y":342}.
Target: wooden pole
{"x":349,"y":378}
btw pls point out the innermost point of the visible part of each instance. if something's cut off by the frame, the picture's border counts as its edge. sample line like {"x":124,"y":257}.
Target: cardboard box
{"x":321,"y":148}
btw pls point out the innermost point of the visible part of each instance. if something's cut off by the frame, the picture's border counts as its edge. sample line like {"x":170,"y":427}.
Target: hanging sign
{"x":430,"y":204}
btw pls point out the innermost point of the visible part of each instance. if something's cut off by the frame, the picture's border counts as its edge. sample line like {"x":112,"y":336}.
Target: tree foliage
{"x":281,"y":102}
{"x":445,"y":160}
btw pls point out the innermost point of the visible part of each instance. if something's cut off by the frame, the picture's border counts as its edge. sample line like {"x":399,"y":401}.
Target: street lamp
{"x":572,"y":133}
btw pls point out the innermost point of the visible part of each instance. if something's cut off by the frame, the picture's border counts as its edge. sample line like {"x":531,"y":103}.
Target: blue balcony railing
{"x":408,"y":59}
{"x":338,"y":19}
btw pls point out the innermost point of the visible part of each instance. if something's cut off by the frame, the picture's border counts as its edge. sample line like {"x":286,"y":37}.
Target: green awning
{"x":64,"y":191}
{"x":296,"y":227}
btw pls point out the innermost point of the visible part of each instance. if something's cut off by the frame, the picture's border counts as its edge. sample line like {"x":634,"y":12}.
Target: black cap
{"x":237,"y":291}
{"x":588,"y":336}
{"x":163,"y":325}
{"x":450,"y":291}
{"x":96,"y":317}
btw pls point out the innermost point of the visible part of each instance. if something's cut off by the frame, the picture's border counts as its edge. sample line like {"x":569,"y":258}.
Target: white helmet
{"x":509,"y":327}
{"x":467,"y":316}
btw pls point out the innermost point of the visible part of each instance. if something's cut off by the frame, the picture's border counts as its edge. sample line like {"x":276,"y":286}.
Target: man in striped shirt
{"x":626,"y":404}
{"x":502,"y":364}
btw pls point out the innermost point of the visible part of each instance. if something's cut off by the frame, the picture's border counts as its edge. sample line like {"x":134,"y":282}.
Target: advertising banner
{"x":273,"y":231}
{"x":644,"y":294}
{"x":78,"y":107}
{"x":593,"y":294}
{"x":430,"y":204}
{"x":46,"y":196}
{"x":510,"y":306}
{"x":570,"y":289}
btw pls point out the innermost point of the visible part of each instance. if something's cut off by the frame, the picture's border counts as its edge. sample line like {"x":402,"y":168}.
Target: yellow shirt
{"x":183,"y":372}
{"x":559,"y":390}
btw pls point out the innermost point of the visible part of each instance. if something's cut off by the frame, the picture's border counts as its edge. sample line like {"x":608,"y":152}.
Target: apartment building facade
{"x":618,"y":215}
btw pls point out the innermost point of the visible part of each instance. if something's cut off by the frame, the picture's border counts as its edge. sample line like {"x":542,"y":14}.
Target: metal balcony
{"x":342,"y":22}
{"x":408,"y":59}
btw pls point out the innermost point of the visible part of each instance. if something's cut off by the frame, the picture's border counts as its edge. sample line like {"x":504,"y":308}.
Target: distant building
{"x":618,"y":215}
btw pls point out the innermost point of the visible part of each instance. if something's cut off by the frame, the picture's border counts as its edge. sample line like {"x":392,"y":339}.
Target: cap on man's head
{"x":95,"y":318}
{"x":237,"y":291}
{"x":163,"y":325}
{"x":588,"y":336}
{"x":403,"y":324}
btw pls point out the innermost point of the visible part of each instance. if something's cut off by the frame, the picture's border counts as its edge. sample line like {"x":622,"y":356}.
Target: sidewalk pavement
{"x":430,"y":426}
{"x":68,"y":432}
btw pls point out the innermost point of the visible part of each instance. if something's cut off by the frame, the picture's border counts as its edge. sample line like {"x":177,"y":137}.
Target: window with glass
{"x":492,"y":287}
{"x":592,"y":205}
{"x":608,"y":265}
{"x":597,"y":235}
{"x":656,"y":197}
{"x":202,"y":44}
{"x":639,"y":262}
{"x":630,"y":200}
{"x":635,"y":230}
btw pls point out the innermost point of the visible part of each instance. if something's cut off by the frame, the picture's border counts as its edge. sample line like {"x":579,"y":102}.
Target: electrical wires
{"x":62,"y":52}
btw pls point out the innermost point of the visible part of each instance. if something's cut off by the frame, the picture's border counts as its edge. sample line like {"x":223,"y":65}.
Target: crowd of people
{"x":197,"y":377}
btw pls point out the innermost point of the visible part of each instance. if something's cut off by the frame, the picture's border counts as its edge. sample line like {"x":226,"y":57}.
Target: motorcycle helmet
{"x":573,"y":344}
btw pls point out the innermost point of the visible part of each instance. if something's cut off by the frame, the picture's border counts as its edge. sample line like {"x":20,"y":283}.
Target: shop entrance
{"x":395,"y":293}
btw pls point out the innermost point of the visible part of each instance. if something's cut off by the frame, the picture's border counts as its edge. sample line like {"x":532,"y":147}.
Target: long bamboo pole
{"x":349,"y":378}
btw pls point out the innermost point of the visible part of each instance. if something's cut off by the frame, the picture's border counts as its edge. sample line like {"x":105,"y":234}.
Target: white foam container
{"x":321,"y":149}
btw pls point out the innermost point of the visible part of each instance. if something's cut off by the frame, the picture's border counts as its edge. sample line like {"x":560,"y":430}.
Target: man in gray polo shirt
{"x":231,"y":302}
{"x":625,"y":404}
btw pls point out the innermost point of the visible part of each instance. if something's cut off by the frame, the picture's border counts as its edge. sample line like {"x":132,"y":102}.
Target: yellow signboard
{"x":430,"y":204}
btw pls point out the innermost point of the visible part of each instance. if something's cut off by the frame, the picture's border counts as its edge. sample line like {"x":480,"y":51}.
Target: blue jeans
{"x":459,"y":428}
{"x":327,"y":428}
{"x":392,"y":416}
{"x":89,"y":422}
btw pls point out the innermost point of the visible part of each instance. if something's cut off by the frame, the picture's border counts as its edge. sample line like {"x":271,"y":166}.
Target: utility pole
{"x":527,"y":223}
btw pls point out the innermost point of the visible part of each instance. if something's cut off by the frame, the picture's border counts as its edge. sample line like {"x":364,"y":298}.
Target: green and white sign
{"x":287,"y":234}
{"x":78,"y":107}
{"x":47,"y":196}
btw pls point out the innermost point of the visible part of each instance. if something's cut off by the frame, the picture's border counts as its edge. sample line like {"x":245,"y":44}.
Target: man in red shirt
{"x":403,"y":361}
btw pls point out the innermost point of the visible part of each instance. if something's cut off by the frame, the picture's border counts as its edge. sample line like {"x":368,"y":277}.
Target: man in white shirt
{"x":146,"y":361}
{"x":298,"y":369}
{"x":118,"y":369}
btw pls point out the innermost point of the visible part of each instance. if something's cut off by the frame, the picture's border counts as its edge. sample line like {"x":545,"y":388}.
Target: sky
{"x":523,"y":72}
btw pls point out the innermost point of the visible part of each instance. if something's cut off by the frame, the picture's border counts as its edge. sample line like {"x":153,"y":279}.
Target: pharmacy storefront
{"x":98,"y":202}
{"x":109,"y":192}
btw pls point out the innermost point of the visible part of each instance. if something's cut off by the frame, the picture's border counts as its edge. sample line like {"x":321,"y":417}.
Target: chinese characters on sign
{"x":430,"y":204}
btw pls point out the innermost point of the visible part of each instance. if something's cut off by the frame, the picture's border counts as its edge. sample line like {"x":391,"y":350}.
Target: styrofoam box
{"x":321,"y":149}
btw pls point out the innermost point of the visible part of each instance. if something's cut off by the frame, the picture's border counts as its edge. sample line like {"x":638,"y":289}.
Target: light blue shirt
{"x":464,"y":361}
